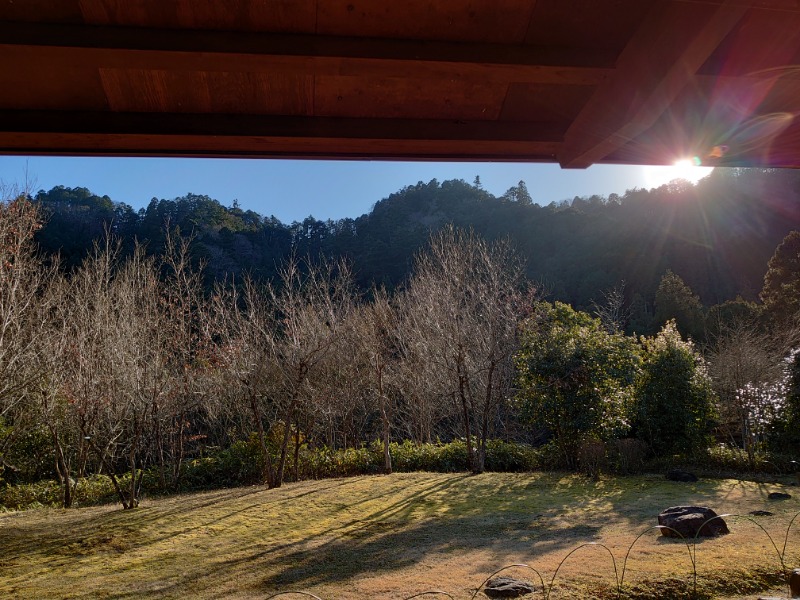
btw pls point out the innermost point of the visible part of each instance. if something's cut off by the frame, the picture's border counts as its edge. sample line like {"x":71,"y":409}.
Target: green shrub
{"x":574,"y":378}
{"x":724,"y":458}
{"x":95,"y":489}
{"x":552,"y":457}
{"x":30,"y":495}
{"x":240,"y":464}
{"x":510,"y":457}
{"x":440,"y":458}
{"x":674,"y":401}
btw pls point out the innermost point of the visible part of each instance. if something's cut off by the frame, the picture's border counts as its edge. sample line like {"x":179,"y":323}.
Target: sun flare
{"x":686,"y":168}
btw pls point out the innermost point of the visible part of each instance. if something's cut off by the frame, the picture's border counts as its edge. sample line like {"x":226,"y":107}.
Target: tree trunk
{"x":109,"y":471}
{"x":178,"y":451}
{"x":287,"y":431}
{"x":297,"y":450}
{"x":487,"y":410}
{"x":133,"y":500}
{"x":262,"y":440}
{"x":467,"y":424}
{"x":162,"y":465}
{"x":387,"y":456}
{"x":63,"y":467}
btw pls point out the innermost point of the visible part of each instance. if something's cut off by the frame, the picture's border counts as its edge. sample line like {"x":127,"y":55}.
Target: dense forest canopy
{"x":717,"y":236}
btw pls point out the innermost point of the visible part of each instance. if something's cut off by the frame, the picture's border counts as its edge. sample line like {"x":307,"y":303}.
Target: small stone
{"x":761,"y":513}
{"x":683,"y":476}
{"x":794,"y":583}
{"x":778,"y":496}
{"x":507,"y":587}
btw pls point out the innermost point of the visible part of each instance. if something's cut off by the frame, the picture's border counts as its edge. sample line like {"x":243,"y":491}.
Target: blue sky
{"x":293,"y":189}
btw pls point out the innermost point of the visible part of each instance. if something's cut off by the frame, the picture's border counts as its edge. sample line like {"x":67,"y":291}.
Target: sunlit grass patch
{"x":386,"y":537}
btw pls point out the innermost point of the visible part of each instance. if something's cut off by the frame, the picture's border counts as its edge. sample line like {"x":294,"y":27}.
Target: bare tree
{"x":375,"y":328}
{"x":748,"y":369}
{"x":119,"y":350}
{"x":275,"y":340}
{"x":243,"y":327}
{"x":312,"y":305}
{"x":189,"y":351}
{"x":463,"y":302}
{"x":612,"y":312}
{"x":24,"y":278}
{"x":90,"y":384}
{"x":51,"y":404}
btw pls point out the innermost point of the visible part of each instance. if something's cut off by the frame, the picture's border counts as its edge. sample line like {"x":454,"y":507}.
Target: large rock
{"x":507,"y":587}
{"x":688,"y":521}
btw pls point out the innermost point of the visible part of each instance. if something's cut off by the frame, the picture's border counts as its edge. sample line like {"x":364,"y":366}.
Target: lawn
{"x":394,"y":536}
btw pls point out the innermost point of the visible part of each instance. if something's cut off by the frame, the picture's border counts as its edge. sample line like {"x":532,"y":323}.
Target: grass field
{"x":393,"y":536}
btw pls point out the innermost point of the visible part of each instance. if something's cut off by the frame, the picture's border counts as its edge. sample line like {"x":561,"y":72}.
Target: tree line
{"x":716,"y":236}
{"x":128,"y":363}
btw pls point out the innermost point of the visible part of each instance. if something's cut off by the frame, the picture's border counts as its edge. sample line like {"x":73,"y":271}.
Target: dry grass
{"x":384,"y":537}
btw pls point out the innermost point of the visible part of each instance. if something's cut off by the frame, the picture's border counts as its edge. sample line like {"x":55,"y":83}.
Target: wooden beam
{"x":72,"y":46}
{"x":140,"y":145}
{"x":659,"y":61}
{"x":787,"y":6}
{"x":140,"y":134}
{"x":111,"y":123}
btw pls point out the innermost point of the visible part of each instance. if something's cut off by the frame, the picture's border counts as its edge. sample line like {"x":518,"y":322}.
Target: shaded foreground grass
{"x":391,"y":537}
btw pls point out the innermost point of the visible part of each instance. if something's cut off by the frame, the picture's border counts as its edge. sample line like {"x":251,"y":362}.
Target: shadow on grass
{"x":403,"y":533}
{"x":368,"y":526}
{"x":91,"y":529}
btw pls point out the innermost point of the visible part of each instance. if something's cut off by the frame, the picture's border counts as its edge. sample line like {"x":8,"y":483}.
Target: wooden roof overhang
{"x":576,"y":82}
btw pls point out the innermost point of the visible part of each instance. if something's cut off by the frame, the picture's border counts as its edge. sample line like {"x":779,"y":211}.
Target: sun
{"x":656,"y":176}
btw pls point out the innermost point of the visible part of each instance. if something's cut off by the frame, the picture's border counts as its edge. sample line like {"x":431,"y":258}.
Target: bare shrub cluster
{"x":123,"y":366}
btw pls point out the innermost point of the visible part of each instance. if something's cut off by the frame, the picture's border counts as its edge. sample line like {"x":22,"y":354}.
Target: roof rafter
{"x":297,"y":54}
{"x":221,"y":135}
{"x":618,"y":111}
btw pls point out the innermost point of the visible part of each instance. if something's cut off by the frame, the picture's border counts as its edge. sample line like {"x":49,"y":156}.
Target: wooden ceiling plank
{"x":298,"y":54}
{"x":133,"y":144}
{"x":651,"y":72}
{"x":501,"y":21}
{"x":205,"y":92}
{"x":223,"y":15}
{"x":407,"y":98}
{"x":225,"y":125}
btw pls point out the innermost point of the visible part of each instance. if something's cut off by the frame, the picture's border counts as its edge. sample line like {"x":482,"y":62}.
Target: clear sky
{"x":294,"y":189}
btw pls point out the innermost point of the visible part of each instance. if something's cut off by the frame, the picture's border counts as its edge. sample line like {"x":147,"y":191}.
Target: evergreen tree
{"x":519,"y":194}
{"x":575,"y":378}
{"x":675,"y":401}
{"x":676,"y":301}
{"x":781,"y":292}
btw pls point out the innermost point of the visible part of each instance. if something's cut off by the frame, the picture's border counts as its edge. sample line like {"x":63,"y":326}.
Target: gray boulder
{"x":507,"y":587}
{"x":691,"y":521}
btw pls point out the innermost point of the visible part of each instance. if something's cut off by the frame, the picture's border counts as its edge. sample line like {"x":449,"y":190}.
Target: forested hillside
{"x":123,"y":360}
{"x":716,"y":236}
